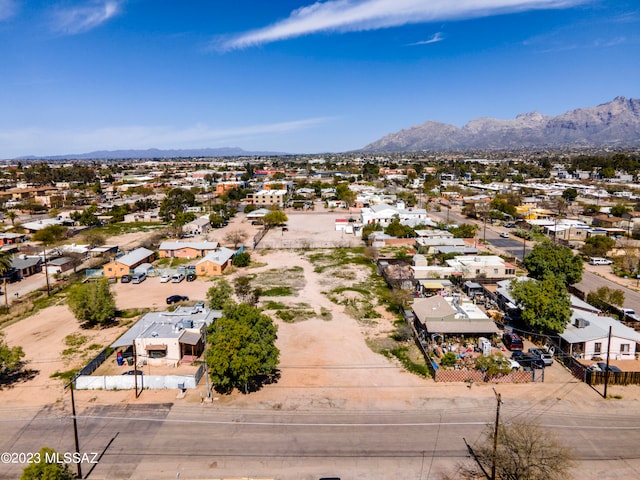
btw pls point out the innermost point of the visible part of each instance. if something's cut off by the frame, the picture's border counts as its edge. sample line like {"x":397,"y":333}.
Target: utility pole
{"x":495,"y":435}
{"x":606,"y":373}
{"x":135,"y":371}
{"x":206,"y":366}
{"x":75,"y":426}
{"x":46,"y":271}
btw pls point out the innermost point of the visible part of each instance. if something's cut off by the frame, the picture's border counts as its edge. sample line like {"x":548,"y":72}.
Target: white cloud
{"x":437,"y":37}
{"x":37,"y":141}
{"x":359,"y":15}
{"x":8,"y":8}
{"x":82,"y":18}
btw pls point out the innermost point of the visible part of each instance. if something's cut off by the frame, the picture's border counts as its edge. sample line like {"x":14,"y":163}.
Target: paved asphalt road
{"x":157,"y":441}
{"x":591,"y":281}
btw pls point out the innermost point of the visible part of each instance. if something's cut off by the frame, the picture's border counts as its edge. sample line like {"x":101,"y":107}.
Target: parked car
{"x":530,"y":361}
{"x":509,"y":225}
{"x":177,"y":277}
{"x":612,"y":368}
{"x":600,"y":261}
{"x":133,"y":372}
{"x":630,"y":314}
{"x":512,"y":341}
{"x":165,"y":277}
{"x":594,"y":368}
{"x":176,"y":299}
{"x":191,"y":277}
{"x":125,"y":278}
{"x":546,"y":358}
{"x":504,"y":235}
{"x":138,"y":277}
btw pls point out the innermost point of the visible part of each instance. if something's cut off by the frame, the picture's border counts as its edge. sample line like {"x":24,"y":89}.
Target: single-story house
{"x":125,"y":264}
{"x":186,"y":249}
{"x":166,"y":338}
{"x":257,"y":214}
{"x":26,"y":266}
{"x":587,"y":337}
{"x":197,"y":226}
{"x":452,"y":316}
{"x":146,"y":217}
{"x":481,"y":266}
{"x":11,"y":238}
{"x":59,"y":265}
{"x":214,"y":263}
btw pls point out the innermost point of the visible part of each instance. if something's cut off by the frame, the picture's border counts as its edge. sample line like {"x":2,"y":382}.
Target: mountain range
{"x":614,"y":124}
{"x":155,"y":153}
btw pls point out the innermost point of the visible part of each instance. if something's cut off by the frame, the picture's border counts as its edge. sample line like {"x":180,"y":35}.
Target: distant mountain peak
{"x":612,"y":124}
{"x":151,"y":153}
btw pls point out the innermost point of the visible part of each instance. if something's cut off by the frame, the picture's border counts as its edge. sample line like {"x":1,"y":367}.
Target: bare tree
{"x":524,"y":451}
{"x":236,"y":237}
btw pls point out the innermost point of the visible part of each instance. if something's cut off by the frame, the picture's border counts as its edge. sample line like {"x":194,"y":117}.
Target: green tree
{"x":177,"y":200}
{"x":604,"y":297}
{"x":502,"y":205}
{"x":243,"y":259}
{"x":46,"y":469}
{"x":219,"y":295}
{"x":370,"y":228}
{"x":396,"y":229}
{"x":492,"y":364}
{"x":50,"y":234}
{"x":92,"y":303}
{"x":598,"y":245}
{"x":525,"y":451}
{"x":11,"y":215}
{"x":344,"y":193}
{"x":242,"y":287}
{"x":88,"y":217}
{"x":551,"y":258}
{"x":242,"y":347}
{"x":5,"y":267}
{"x":275,"y":217}
{"x":570,"y":194}
{"x":216,"y":220}
{"x":94,"y":238}
{"x":10,"y":360}
{"x":466,"y":230}
{"x":545,"y":303}
{"x":619,"y":210}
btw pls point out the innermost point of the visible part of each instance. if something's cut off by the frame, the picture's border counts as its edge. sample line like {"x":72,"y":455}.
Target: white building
{"x":384,"y":214}
{"x":587,"y":337}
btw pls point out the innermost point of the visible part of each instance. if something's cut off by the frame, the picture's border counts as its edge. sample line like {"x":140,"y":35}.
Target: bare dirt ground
{"x":325,"y":359}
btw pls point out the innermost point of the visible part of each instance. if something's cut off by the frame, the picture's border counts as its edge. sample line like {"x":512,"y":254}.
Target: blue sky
{"x":297,"y":76}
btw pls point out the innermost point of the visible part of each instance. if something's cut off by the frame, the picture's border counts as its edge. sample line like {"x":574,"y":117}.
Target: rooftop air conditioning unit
{"x":581,"y":323}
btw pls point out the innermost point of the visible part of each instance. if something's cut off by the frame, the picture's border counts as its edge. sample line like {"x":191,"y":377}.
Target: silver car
{"x":546,"y":357}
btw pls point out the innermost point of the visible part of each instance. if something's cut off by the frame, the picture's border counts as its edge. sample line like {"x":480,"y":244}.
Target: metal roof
{"x":135,"y":257}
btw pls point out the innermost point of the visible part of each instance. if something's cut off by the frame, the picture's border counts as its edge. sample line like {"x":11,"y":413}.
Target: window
{"x":157,"y":353}
{"x":597,"y":347}
{"x":624,"y":348}
{"x":495,"y":271}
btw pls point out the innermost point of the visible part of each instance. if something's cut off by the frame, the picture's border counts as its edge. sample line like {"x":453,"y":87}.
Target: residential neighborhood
{"x":448,"y":271}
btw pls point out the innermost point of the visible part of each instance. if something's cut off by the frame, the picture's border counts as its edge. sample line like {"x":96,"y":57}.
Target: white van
{"x":177,"y":277}
{"x":138,"y":277}
{"x":599,"y":261}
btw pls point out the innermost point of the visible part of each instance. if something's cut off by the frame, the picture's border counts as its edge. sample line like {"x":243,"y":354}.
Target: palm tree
{"x":11,"y":215}
{"x":5,"y":267}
